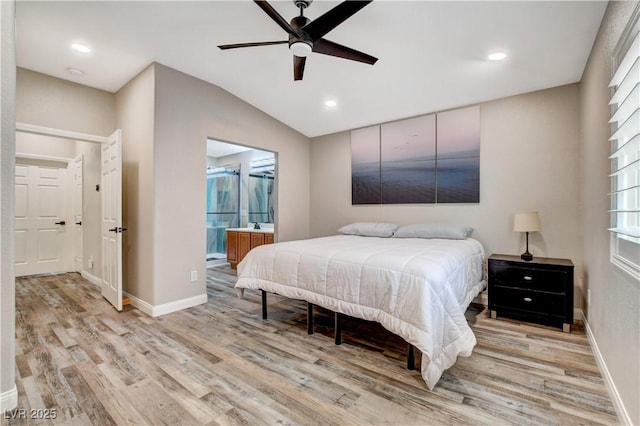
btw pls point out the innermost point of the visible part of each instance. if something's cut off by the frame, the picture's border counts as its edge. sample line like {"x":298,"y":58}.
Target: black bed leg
{"x":309,"y":318}
{"x":338,"y":329}
{"x":264,"y":304}
{"x":411,"y":361}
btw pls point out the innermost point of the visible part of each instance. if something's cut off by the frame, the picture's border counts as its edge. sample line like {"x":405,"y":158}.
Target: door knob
{"x":62,"y":222}
{"x":118,"y":229}
{"x":79,"y":223}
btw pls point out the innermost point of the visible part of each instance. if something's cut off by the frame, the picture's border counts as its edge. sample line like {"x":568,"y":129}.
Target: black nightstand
{"x":539,"y":291}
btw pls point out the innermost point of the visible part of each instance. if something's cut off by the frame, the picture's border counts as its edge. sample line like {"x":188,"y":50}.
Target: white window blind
{"x":625,"y":153}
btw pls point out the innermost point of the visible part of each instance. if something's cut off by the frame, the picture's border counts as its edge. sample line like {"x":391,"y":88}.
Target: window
{"x":625,"y":151}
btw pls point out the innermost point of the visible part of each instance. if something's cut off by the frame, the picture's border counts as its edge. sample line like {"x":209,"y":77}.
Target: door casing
{"x":48,"y":131}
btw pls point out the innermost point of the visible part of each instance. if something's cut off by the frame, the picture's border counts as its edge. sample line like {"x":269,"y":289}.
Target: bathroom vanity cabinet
{"x":241,"y":240}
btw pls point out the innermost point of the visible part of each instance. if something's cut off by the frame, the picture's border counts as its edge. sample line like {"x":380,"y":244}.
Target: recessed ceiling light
{"x":78,"y":47}
{"x":330,"y":103}
{"x":497,"y":56}
{"x":74,"y":71}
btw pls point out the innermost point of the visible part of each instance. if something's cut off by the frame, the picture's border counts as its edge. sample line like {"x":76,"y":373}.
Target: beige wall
{"x":51,"y":102}
{"x":8,"y":392}
{"x":48,"y":146}
{"x":529,"y":145}
{"x":614,"y":314}
{"x":188,"y":111}
{"x":135,"y":116}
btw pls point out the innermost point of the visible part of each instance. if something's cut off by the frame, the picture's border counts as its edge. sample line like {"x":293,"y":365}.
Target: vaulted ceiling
{"x":432,"y":54}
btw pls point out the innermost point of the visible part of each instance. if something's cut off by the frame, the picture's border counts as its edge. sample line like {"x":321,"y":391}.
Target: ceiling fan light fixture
{"x":300,"y":49}
{"x":330,"y":103}
{"x":497,"y":56}
{"x":82,"y":48}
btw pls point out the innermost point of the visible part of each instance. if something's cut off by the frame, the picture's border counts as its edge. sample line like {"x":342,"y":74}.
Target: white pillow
{"x":434,"y":230}
{"x":369,"y":229}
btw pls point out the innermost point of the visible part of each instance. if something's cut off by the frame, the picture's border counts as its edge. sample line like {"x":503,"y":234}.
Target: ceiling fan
{"x":306,"y":36}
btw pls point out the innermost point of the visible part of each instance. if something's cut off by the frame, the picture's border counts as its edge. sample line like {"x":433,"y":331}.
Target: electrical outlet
{"x":194,"y":276}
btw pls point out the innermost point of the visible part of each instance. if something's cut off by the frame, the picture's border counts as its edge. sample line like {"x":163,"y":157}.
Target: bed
{"x":415,"y":287}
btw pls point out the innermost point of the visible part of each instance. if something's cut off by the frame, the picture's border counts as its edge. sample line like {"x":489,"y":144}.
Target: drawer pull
{"x":528,"y":278}
{"x":527,"y":299}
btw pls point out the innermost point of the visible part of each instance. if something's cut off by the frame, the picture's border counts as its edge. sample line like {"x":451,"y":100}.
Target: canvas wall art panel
{"x":458,"y":157}
{"x":429,"y":159}
{"x":408,"y":161}
{"x":365,"y":166}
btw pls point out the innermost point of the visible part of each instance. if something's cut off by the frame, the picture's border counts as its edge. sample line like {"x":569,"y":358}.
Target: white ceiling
{"x":432,"y":55}
{"x":219,"y":149}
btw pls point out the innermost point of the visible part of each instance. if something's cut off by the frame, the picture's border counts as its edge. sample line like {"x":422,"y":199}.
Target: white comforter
{"x":416,"y":288}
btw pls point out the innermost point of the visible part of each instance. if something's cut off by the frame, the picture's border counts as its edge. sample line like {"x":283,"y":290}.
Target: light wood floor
{"x":220,"y":363}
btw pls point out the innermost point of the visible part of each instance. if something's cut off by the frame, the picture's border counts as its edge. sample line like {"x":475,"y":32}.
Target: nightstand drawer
{"x":528,"y":301}
{"x":527,"y":277}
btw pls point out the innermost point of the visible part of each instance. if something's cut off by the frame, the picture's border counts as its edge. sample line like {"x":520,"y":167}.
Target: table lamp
{"x":526,"y":222}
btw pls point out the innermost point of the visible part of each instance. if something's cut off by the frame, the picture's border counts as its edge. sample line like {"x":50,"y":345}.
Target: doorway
{"x":241,"y":191}
{"x":106,"y":155}
{"x":57,"y":215}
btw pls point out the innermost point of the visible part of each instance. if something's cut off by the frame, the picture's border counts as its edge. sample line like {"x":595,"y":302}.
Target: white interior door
{"x":76,"y":172}
{"x":42,"y":242}
{"x":111,"y":189}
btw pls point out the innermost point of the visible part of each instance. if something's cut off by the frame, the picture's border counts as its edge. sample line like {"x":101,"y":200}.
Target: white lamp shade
{"x":526,"y":222}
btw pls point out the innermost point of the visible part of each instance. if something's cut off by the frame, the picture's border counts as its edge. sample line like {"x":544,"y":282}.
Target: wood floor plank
{"x":61,"y":333}
{"x":220,"y":363}
{"x":122,"y":410}
{"x":187,"y":373}
{"x":91,"y":406}
{"x":156,"y":406}
{"x":329,"y":412}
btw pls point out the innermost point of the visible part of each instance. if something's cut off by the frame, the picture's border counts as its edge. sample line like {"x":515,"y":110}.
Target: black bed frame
{"x":337,"y":328}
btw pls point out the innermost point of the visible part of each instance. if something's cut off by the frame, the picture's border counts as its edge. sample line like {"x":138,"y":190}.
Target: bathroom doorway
{"x":241,"y":192}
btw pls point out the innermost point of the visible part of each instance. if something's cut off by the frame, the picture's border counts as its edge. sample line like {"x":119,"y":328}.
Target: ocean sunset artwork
{"x":458,"y":156}
{"x":428,"y":159}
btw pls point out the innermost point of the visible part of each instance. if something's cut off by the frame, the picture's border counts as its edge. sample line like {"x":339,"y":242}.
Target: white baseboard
{"x":9,"y":399}
{"x":578,"y":314}
{"x":621,"y":411}
{"x":92,"y":278}
{"x":166,"y":308}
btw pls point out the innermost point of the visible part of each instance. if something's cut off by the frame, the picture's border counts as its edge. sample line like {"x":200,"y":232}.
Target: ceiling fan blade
{"x":269,"y":10}
{"x":325,"y":23}
{"x":298,"y":67}
{"x":260,"y":43}
{"x":327,"y":47}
